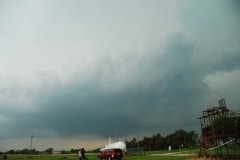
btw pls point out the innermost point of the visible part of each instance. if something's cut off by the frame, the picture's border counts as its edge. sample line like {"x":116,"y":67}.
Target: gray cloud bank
{"x":86,"y":68}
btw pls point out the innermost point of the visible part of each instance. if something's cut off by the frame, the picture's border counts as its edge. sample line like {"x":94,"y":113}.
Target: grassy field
{"x":157,"y":155}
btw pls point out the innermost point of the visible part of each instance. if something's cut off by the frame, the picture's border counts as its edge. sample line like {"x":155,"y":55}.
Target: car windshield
{"x":117,"y":150}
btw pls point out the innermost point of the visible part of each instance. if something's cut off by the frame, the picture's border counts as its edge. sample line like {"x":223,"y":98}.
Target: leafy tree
{"x":64,"y":152}
{"x":156,"y":141}
{"x":133,"y":143}
{"x":11,"y":151}
{"x":177,"y":139}
{"x":146,"y":143}
{"x":226,"y":124}
{"x":49,"y":150}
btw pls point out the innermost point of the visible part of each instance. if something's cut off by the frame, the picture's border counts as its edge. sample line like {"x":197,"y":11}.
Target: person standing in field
{"x":5,"y":156}
{"x":83,"y":154}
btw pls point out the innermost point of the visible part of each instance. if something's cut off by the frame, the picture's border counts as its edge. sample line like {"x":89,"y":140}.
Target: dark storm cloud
{"x":82,"y":109}
{"x":78,"y":108}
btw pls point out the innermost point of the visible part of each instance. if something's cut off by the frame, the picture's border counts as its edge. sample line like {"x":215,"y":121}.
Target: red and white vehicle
{"x":112,"y":151}
{"x":111,"y":154}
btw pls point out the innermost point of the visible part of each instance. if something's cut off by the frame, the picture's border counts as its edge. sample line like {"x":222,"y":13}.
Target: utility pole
{"x":138,"y":141}
{"x":31,"y":144}
{"x":184,"y":141}
{"x":126,"y":134}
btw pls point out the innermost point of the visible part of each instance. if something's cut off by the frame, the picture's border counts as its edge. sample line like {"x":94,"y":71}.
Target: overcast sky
{"x":74,"y":73}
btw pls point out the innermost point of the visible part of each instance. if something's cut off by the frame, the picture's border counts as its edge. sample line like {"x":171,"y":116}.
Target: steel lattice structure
{"x":220,"y":133}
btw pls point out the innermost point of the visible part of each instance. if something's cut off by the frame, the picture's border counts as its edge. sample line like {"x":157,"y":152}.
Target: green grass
{"x":156,"y":155}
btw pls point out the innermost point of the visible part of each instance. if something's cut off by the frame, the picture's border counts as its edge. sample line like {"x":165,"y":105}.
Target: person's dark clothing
{"x":5,"y":157}
{"x":83,"y":154}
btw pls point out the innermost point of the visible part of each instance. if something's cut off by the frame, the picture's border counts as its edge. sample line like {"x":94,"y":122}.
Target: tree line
{"x":179,"y":138}
{"x":47,"y":151}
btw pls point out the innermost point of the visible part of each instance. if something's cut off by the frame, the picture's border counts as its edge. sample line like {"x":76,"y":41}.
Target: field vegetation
{"x":156,"y":155}
{"x":154,"y":147}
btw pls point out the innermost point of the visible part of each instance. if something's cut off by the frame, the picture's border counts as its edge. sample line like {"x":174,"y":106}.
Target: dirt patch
{"x":204,"y":158}
{"x":174,"y":154}
{"x":193,"y":156}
